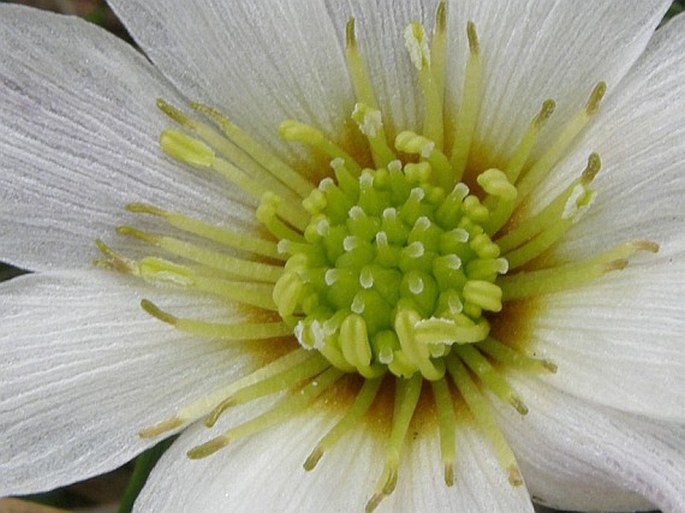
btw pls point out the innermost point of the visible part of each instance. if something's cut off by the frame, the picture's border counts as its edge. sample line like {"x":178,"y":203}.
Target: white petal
{"x":533,"y":50}
{"x":581,"y":457}
{"x":83,"y":369}
{"x":260,"y":62}
{"x":640,"y":136}
{"x":78,"y":140}
{"x":264,"y":473}
{"x":619,"y":340}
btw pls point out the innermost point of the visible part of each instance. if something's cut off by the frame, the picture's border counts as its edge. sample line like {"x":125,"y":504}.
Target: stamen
{"x":115,"y":261}
{"x":357,"y":69}
{"x":579,"y":198}
{"x":186,"y":149}
{"x":191,"y":151}
{"x":530,"y":137}
{"x":479,"y":407}
{"x":292,"y":130}
{"x":281,"y":412}
{"x":417,"y":45}
{"x":470,"y":105}
{"x":370,"y":124}
{"x":489,"y":376}
{"x":412,"y":143}
{"x":165,"y":273}
{"x":272,"y":384}
{"x":484,"y":294}
{"x":219,"y":261}
{"x":355,"y":346}
{"x":361,"y":405}
{"x":553,"y":212}
{"x":270,"y":162}
{"x":406,"y":398}
{"x":211,"y":232}
{"x":267,"y":213}
{"x":206,"y":404}
{"x":447,"y":421}
{"x":223,"y":331}
{"x":557,"y":150}
{"x":234,"y":153}
{"x":570,"y":276}
{"x":504,"y":354}
{"x":438,"y":50}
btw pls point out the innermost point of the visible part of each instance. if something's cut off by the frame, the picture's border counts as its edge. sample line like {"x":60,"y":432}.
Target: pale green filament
{"x":194,"y":152}
{"x":260,"y":154}
{"x":220,"y":261}
{"x":284,"y":410}
{"x":444,"y":407}
{"x":361,"y":405}
{"x":292,"y":130}
{"x":283,"y":380}
{"x":357,"y":69}
{"x":573,"y":275}
{"x":416,"y":42}
{"x":504,"y":354}
{"x":559,"y":148}
{"x":438,"y":50}
{"x":406,"y":399}
{"x":489,"y":376}
{"x":470,"y":105}
{"x":530,"y":137}
{"x":480,"y":408}
{"x":239,"y":331}
{"x":210,"y":232}
{"x":226,"y":145}
{"x":206,"y":404}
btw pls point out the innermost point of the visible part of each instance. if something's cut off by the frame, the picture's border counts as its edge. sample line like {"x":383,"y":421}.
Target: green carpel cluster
{"x":391,"y":271}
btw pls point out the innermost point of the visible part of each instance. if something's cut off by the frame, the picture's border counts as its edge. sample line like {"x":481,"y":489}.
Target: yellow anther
{"x":164,"y":272}
{"x":558,"y":148}
{"x":370,"y":123}
{"x":595,"y":98}
{"x":411,"y":142}
{"x":548,"y":107}
{"x":176,"y":114}
{"x":292,"y":130}
{"x":594,"y":164}
{"x":496,"y":183}
{"x":186,"y":149}
{"x":416,"y":43}
{"x":474,"y":45}
{"x":157,"y":312}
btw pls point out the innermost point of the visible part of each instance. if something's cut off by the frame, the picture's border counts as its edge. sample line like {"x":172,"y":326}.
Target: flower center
{"x":392,"y":269}
{"x":392,"y":274}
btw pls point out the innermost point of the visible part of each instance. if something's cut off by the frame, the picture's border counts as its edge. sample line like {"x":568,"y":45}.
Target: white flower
{"x":84,"y":368}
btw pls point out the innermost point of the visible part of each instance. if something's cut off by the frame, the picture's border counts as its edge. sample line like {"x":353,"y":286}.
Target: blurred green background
{"x":103,"y":494}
